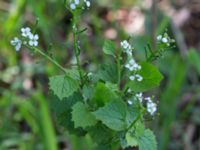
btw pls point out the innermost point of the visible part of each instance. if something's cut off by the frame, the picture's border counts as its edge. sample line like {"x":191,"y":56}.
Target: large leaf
{"x":147,"y":141}
{"x":151,"y":78}
{"x":63,"y":86}
{"x":113,"y":115}
{"x":63,"y":111}
{"x":82,"y":117}
{"x":116,"y":115}
{"x":109,"y":48}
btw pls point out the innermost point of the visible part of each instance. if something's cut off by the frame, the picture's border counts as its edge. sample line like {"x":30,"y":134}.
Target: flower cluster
{"x":126,"y":47}
{"x":151,"y":106}
{"x":165,"y":39}
{"x":27,"y":37}
{"x":75,"y":3}
{"x":132,"y":66}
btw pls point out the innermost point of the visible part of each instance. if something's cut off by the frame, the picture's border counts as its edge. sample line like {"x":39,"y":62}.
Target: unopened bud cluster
{"x":165,"y":39}
{"x":77,"y":3}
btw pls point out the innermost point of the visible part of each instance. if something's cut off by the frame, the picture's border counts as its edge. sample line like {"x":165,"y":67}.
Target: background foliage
{"x":27,"y":109}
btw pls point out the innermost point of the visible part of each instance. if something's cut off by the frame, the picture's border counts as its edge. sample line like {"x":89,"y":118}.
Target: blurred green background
{"x":27,"y":118}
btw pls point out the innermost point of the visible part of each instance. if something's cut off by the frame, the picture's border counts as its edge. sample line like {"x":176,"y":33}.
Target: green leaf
{"x":101,"y":134}
{"x":147,"y":141}
{"x":194,"y":59}
{"x":87,"y":91}
{"x":108,"y":72}
{"x":131,"y":140}
{"x":103,"y":94}
{"x":131,"y":137}
{"x":63,"y":86}
{"x":113,"y":115}
{"x":66,"y":104}
{"x":62,"y":109}
{"x":109,"y":48}
{"x":82,"y":117}
{"x":151,"y":78}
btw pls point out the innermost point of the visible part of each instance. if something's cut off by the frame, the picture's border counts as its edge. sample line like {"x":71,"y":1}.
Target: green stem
{"x":137,"y":118}
{"x":77,"y":54}
{"x":47,"y":57}
{"x":119,"y":69}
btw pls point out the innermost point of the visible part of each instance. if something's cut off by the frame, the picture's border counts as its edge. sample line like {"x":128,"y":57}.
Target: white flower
{"x":132,"y":65}
{"x":17,"y":43}
{"x":130,"y":102}
{"x":26,"y":31}
{"x":139,"y":77}
{"x":159,"y":37}
{"x":129,"y":90}
{"x":132,"y":78}
{"x":127,"y":47}
{"x":72,"y":6}
{"x":164,"y":40}
{"x":87,"y":3}
{"x":76,"y":2}
{"x":33,"y":40}
{"x":125,"y":44}
{"x":151,"y":107}
{"x":139,"y":97}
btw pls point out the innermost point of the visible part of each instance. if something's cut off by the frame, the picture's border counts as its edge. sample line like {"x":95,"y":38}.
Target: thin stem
{"x":119,"y":70}
{"x":137,"y":118}
{"x":47,"y":57}
{"x":77,"y":53}
{"x":119,"y":67}
{"x":154,"y":23}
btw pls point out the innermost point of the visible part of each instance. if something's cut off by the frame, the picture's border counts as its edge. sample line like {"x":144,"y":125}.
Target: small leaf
{"x":108,"y":72}
{"x":87,"y":92}
{"x":109,"y":48}
{"x":131,"y":140}
{"x":81,"y":116}
{"x":113,"y":115}
{"x":63,"y":86}
{"x":151,"y":78}
{"x":103,"y":94}
{"x":147,"y":141}
{"x":101,"y":134}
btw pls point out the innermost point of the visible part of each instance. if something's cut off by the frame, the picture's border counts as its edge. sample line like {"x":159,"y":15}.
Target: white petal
{"x":88,"y":3}
{"x":28,"y":29}
{"x":130,"y":102}
{"x":72,"y":6}
{"x":36,"y":37}
{"x":31,"y":36}
{"x":159,"y":37}
{"x":164,"y":40}
{"x":18,"y":46}
{"x":132,"y":78}
{"x":35,"y":43}
{"x":31,"y":43}
{"x":23,"y":29}
{"x":77,"y":2}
